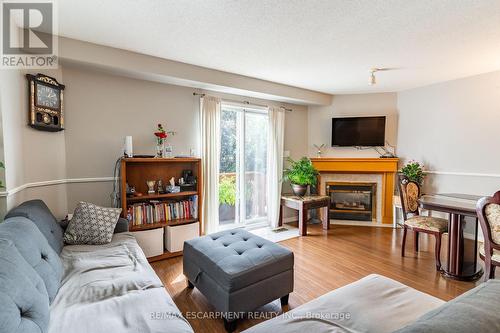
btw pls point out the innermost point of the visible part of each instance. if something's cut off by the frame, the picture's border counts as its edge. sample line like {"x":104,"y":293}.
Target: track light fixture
{"x":373,"y":80}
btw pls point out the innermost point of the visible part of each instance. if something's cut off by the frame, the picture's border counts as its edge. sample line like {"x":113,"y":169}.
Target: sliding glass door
{"x":243,"y":163}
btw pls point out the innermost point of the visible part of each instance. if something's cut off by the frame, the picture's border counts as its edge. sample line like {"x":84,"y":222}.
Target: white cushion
{"x":91,"y":224}
{"x":494,"y":257}
{"x":492,"y":212}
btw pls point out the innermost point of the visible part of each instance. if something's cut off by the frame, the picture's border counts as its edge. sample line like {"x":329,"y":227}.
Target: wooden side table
{"x":302,"y":205}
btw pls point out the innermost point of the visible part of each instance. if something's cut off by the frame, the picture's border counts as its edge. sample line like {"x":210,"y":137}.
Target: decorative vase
{"x":160,"y":147}
{"x":168,"y":151}
{"x":318,"y":149}
{"x":299,"y":190}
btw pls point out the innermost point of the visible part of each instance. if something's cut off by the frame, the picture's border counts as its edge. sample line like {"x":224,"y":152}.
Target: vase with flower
{"x":161,"y":138}
{"x":160,"y":135}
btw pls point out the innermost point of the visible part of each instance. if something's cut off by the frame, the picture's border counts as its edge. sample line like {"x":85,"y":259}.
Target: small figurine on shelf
{"x":172,"y":188}
{"x":319,"y":152}
{"x":151,"y":186}
{"x":159,"y":187}
{"x":130,"y":190}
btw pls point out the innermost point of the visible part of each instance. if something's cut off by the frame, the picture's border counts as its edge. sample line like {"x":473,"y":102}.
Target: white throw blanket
{"x":112,"y":288}
{"x":374,"y":304}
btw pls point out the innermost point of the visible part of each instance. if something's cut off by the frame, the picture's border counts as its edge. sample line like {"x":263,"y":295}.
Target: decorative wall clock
{"x":46,"y":103}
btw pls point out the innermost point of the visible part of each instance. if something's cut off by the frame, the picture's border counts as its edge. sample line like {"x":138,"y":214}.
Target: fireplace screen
{"x":352,"y":201}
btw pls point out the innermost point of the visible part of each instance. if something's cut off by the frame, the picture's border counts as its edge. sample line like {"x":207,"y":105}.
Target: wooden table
{"x":458,"y":206}
{"x":302,"y":205}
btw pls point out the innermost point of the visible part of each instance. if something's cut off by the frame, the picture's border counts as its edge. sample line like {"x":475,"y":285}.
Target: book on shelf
{"x":155,"y":211}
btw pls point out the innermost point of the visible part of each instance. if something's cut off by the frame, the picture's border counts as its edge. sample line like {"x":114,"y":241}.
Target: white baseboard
{"x":344,"y":222}
{"x":361,"y":223}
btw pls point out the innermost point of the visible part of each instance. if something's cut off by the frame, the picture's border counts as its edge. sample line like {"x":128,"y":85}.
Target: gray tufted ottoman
{"x":238,"y":271}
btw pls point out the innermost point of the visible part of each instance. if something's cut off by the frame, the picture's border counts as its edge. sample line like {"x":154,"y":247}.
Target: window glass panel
{"x":255,"y":165}
{"x":227,"y":167}
{"x":243,"y":163}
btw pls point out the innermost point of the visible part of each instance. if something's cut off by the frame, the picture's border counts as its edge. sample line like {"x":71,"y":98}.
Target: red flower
{"x":161,"y":135}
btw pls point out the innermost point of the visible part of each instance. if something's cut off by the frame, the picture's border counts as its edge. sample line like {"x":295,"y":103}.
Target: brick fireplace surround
{"x":386,"y":167}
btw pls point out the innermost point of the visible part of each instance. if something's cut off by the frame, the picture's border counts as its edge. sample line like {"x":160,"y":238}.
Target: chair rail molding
{"x":56,"y":182}
{"x":110,"y":179}
{"x":466,"y":174}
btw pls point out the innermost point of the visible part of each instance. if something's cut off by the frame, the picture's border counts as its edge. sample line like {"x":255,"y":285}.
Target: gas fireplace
{"x":352,"y":201}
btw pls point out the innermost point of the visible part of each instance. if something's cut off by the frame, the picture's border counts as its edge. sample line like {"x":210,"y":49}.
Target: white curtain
{"x":276,"y":134}
{"x":210,"y":153}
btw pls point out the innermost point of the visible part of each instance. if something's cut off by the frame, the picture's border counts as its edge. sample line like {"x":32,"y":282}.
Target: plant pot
{"x":226,"y":212}
{"x":299,"y":190}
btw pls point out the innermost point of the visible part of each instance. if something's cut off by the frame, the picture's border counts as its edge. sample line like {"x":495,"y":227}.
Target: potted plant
{"x":300,"y":174}
{"x":414,"y":171}
{"x":227,"y":198}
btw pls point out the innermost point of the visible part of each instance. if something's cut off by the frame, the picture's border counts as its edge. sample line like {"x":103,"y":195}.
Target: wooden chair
{"x":488,"y":211}
{"x":410,"y":192}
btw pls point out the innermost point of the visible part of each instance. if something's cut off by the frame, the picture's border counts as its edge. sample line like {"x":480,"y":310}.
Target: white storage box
{"x":150,"y":241}
{"x":177,"y":235}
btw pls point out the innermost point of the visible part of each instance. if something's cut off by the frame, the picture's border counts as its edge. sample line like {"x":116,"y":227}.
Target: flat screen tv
{"x":358,"y":131}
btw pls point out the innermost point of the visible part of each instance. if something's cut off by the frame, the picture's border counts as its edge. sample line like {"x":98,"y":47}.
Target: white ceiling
{"x":327,"y":46}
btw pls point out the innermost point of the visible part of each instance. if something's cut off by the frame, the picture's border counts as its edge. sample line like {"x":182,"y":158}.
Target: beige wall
{"x":31,"y":156}
{"x":453,"y":127}
{"x":101,"y":109}
{"x":141,"y":66}
{"x":104,"y":108}
{"x":320,"y":121}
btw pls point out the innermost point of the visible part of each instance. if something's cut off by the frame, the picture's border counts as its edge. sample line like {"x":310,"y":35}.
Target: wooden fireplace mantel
{"x":385,"y":166}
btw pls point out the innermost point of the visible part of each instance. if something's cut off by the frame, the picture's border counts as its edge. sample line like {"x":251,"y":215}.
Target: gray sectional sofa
{"x":377,"y":304}
{"x":48,"y":287}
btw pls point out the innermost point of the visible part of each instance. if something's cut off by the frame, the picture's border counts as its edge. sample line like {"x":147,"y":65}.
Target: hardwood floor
{"x":326,"y":260}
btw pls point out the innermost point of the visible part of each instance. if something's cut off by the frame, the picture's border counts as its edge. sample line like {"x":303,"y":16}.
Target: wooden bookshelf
{"x":171,"y":223}
{"x":162,"y":196}
{"x":136,"y":171}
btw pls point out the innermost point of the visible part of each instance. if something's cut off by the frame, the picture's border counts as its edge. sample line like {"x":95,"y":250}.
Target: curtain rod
{"x":243,"y":102}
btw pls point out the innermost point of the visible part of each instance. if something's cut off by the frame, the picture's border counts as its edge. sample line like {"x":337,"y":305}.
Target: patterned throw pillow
{"x":91,"y":224}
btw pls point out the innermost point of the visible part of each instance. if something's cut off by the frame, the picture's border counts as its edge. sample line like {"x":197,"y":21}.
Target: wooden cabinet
{"x":137,"y":171}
